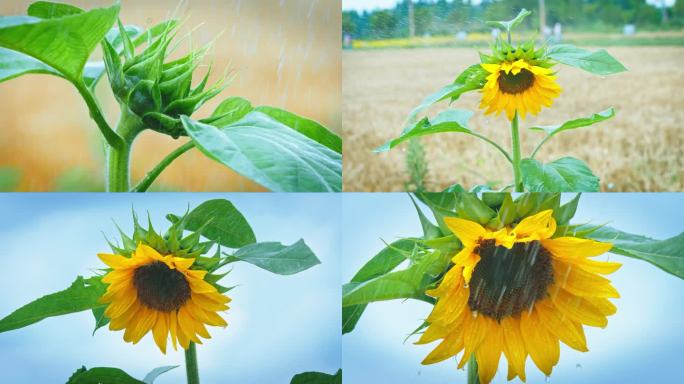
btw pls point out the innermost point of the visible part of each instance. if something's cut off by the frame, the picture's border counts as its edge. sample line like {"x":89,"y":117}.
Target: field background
{"x":640,"y":149}
{"x":285,"y":53}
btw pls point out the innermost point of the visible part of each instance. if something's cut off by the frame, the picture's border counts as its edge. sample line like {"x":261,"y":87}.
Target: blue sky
{"x":643,"y":342}
{"x":369,"y":5}
{"x":278,"y":325}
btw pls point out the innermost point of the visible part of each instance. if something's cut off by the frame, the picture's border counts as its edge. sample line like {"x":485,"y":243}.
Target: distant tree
{"x":349,"y":20}
{"x":423,"y":19}
{"x":382,"y":24}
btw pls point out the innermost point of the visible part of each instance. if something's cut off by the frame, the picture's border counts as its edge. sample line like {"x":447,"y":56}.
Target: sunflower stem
{"x":118,"y":158}
{"x":515,"y":143}
{"x":191,"y":364}
{"x":473,"y":377}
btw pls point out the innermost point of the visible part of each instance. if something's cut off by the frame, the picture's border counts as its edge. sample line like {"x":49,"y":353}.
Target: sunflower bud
{"x":156,"y":91}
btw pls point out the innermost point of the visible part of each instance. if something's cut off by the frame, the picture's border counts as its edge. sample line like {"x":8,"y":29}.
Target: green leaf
{"x":307,"y":127}
{"x":351,"y":316}
{"x":50,"y":10}
{"x":63,"y":43}
{"x":599,"y":62}
{"x":469,"y":80}
{"x":235,"y":108}
{"x":317,"y":378}
{"x":384,"y":262}
{"x":100,"y":318}
{"x":153,"y":374}
{"x":221,"y":222}
{"x":510,"y":24}
{"x":404,"y":284}
{"x":552,"y":130}
{"x":9,"y":179}
{"x":566,"y":174}
{"x":102,"y":375}
{"x":229,"y":111}
{"x":14,"y":64}
{"x":430,"y":231}
{"x":270,"y":153}
{"x":567,"y":211}
{"x":278,"y":258}
{"x":667,"y":255}
{"x":450,"y":120}
{"x":83,"y":294}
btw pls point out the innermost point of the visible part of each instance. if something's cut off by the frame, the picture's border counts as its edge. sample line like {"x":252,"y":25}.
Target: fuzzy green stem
{"x":159,"y":168}
{"x":111,"y":137}
{"x":191,"y":364}
{"x":515,"y":143}
{"x":473,"y":377}
{"x":118,"y":158}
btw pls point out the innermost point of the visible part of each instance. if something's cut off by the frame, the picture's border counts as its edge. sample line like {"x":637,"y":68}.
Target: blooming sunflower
{"x":150,"y":291}
{"x":519,"y":80}
{"x":518,"y":291}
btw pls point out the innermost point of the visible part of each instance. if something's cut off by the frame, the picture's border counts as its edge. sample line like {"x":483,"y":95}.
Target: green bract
{"x":273,"y":147}
{"x":562,"y":175}
{"x":429,"y":254}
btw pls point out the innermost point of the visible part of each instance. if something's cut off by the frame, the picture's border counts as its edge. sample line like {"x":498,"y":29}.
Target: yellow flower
{"x":518,"y":291}
{"x":149,"y":291}
{"x":518,"y":86}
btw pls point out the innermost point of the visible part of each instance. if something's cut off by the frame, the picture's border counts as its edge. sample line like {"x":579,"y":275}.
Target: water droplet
{"x":474,"y":314}
{"x":466,"y":285}
{"x":578,"y":366}
{"x":547,"y":379}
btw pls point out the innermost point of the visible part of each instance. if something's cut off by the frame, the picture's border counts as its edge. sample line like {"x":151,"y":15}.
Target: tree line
{"x":440,"y":17}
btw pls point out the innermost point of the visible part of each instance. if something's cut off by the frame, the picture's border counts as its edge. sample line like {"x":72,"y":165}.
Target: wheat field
{"x":283,"y":54}
{"x":640,"y":149}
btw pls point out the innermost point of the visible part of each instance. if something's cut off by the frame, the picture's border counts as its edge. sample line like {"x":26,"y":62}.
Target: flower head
{"x":158,"y":92}
{"x":518,"y":291}
{"x":519,"y":80}
{"x":164,"y":285}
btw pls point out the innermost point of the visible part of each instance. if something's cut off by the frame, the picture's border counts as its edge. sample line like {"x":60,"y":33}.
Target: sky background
{"x":278,"y":326}
{"x":643,"y":343}
{"x":369,"y":5}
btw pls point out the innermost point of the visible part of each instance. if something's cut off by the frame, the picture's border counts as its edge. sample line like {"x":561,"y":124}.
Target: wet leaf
{"x":510,"y":24}
{"x":470,"y":79}
{"x":220,"y":222}
{"x":409,"y":283}
{"x":101,"y":375}
{"x":83,"y":294}
{"x":566,"y":174}
{"x":599,"y":62}
{"x":667,"y":255}
{"x":63,"y":43}
{"x":270,"y":153}
{"x":278,"y":258}
{"x":552,"y":130}
{"x":155,"y":373}
{"x":451,"y":120}
{"x":317,"y":378}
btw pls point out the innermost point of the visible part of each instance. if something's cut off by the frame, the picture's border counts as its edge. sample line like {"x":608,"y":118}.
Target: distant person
{"x":557,"y":32}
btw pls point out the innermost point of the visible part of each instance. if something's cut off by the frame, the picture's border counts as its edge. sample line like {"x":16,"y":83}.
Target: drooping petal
{"x":468,"y":232}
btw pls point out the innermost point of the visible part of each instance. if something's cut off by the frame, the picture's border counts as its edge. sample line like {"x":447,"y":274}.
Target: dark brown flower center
{"x":508,"y":281}
{"x":510,"y":83}
{"x":160,"y":287}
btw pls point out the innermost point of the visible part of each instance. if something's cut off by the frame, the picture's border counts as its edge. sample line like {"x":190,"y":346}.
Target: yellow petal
{"x":562,"y":327}
{"x":514,"y":347}
{"x":160,"y":331}
{"x":491,"y":68}
{"x":582,"y":283}
{"x":475,"y":328}
{"x":449,"y":347}
{"x":469,"y":232}
{"x":578,"y":309}
{"x":542,"y":346}
{"x":116,"y":261}
{"x":488,"y":354}
{"x":537,"y":227}
{"x":573,"y":247}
